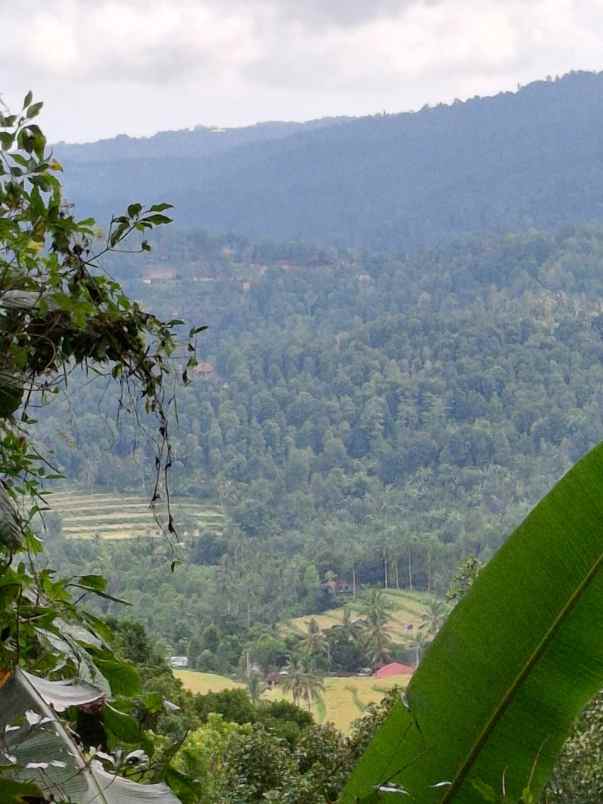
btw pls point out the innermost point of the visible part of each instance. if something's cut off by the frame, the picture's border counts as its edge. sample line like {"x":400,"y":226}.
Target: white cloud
{"x":105,"y":66}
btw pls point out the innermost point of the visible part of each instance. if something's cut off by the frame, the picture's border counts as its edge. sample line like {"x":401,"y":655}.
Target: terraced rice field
{"x":122,"y":516}
{"x":404,"y":620}
{"x":344,"y":698}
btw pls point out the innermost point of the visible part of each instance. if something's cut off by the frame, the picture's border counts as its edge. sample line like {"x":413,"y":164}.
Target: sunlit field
{"x":121,"y":516}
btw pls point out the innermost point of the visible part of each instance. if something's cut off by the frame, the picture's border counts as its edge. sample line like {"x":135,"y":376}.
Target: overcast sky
{"x":140,"y":66}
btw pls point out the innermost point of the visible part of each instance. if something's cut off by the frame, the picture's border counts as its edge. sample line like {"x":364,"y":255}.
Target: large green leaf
{"x":499,"y":689}
{"x":122,"y":676}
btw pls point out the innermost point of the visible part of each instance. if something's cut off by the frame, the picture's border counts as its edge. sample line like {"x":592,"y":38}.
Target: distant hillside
{"x":513,"y":161}
{"x":196,"y":143}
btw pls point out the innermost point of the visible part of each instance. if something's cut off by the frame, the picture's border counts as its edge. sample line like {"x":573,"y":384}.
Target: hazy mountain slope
{"x":533,"y":158}
{"x":198,"y":142}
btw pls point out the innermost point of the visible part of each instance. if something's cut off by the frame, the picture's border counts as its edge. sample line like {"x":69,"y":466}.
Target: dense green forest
{"x":375,"y":417}
{"x":395,"y":182}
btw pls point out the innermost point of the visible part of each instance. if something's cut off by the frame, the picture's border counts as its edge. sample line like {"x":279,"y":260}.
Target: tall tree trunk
{"x":354,"y":584}
{"x":397,"y":573}
{"x":385,"y":573}
{"x":410,"y":584}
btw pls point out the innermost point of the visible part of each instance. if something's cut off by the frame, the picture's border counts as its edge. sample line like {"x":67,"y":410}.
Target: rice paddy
{"x":127,"y":516}
{"x":343,"y":701}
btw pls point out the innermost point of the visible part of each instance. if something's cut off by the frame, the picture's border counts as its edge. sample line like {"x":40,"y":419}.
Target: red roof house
{"x":394,"y":669}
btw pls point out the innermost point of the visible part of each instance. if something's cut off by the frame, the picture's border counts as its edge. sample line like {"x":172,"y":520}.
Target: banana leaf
{"x":60,"y":695}
{"x":22,"y":300}
{"x":497,"y":693}
{"x":35,"y":747}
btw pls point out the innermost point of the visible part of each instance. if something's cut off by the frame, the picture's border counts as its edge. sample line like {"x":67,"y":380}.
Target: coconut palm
{"x":419,"y":643}
{"x":434,"y":617}
{"x":377,"y":644}
{"x":303,"y":684}
{"x":349,"y":626}
{"x":314,"y":643}
{"x":375,"y":606}
{"x":376,"y":609}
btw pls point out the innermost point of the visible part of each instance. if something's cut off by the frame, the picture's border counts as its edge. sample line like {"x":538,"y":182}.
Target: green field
{"x":205,"y":682}
{"x":409,"y":608}
{"x":344,"y":698}
{"x":126,"y":516}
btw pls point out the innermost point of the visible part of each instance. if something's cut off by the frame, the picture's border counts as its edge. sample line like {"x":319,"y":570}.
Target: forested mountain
{"x":394,"y":182}
{"x":198,"y":142}
{"x":370,"y":415}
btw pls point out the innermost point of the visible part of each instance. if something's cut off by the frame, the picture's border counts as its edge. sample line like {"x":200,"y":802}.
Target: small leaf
{"x":27,"y":99}
{"x":100,"y":593}
{"x":6,"y":140}
{"x":34,"y":110}
{"x":157,"y":220}
{"x":121,"y":725}
{"x":96,"y":582}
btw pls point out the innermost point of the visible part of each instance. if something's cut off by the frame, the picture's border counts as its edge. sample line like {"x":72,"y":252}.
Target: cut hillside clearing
{"x":126,"y":516}
{"x":405,"y":618}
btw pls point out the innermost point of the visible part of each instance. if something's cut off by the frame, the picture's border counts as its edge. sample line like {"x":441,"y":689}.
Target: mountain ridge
{"x":512,"y":161}
{"x":198,"y":141}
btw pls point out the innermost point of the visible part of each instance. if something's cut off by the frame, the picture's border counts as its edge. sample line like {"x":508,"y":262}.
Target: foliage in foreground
{"x":57,"y":312}
{"x":488,"y":710}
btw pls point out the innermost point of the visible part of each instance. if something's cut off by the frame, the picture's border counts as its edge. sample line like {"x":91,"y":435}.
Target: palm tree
{"x":303,"y":684}
{"x":349,"y":627}
{"x":377,"y":644}
{"x":315,"y":642}
{"x":419,"y":643}
{"x":376,"y":608}
{"x":434,"y":617}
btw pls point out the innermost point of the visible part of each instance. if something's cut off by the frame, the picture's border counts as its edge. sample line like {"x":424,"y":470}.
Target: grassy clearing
{"x":408,"y":611}
{"x":344,"y":698}
{"x":206,"y":682}
{"x":126,"y":516}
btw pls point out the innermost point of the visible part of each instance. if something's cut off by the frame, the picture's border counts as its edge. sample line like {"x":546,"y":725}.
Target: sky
{"x":105,"y":67}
